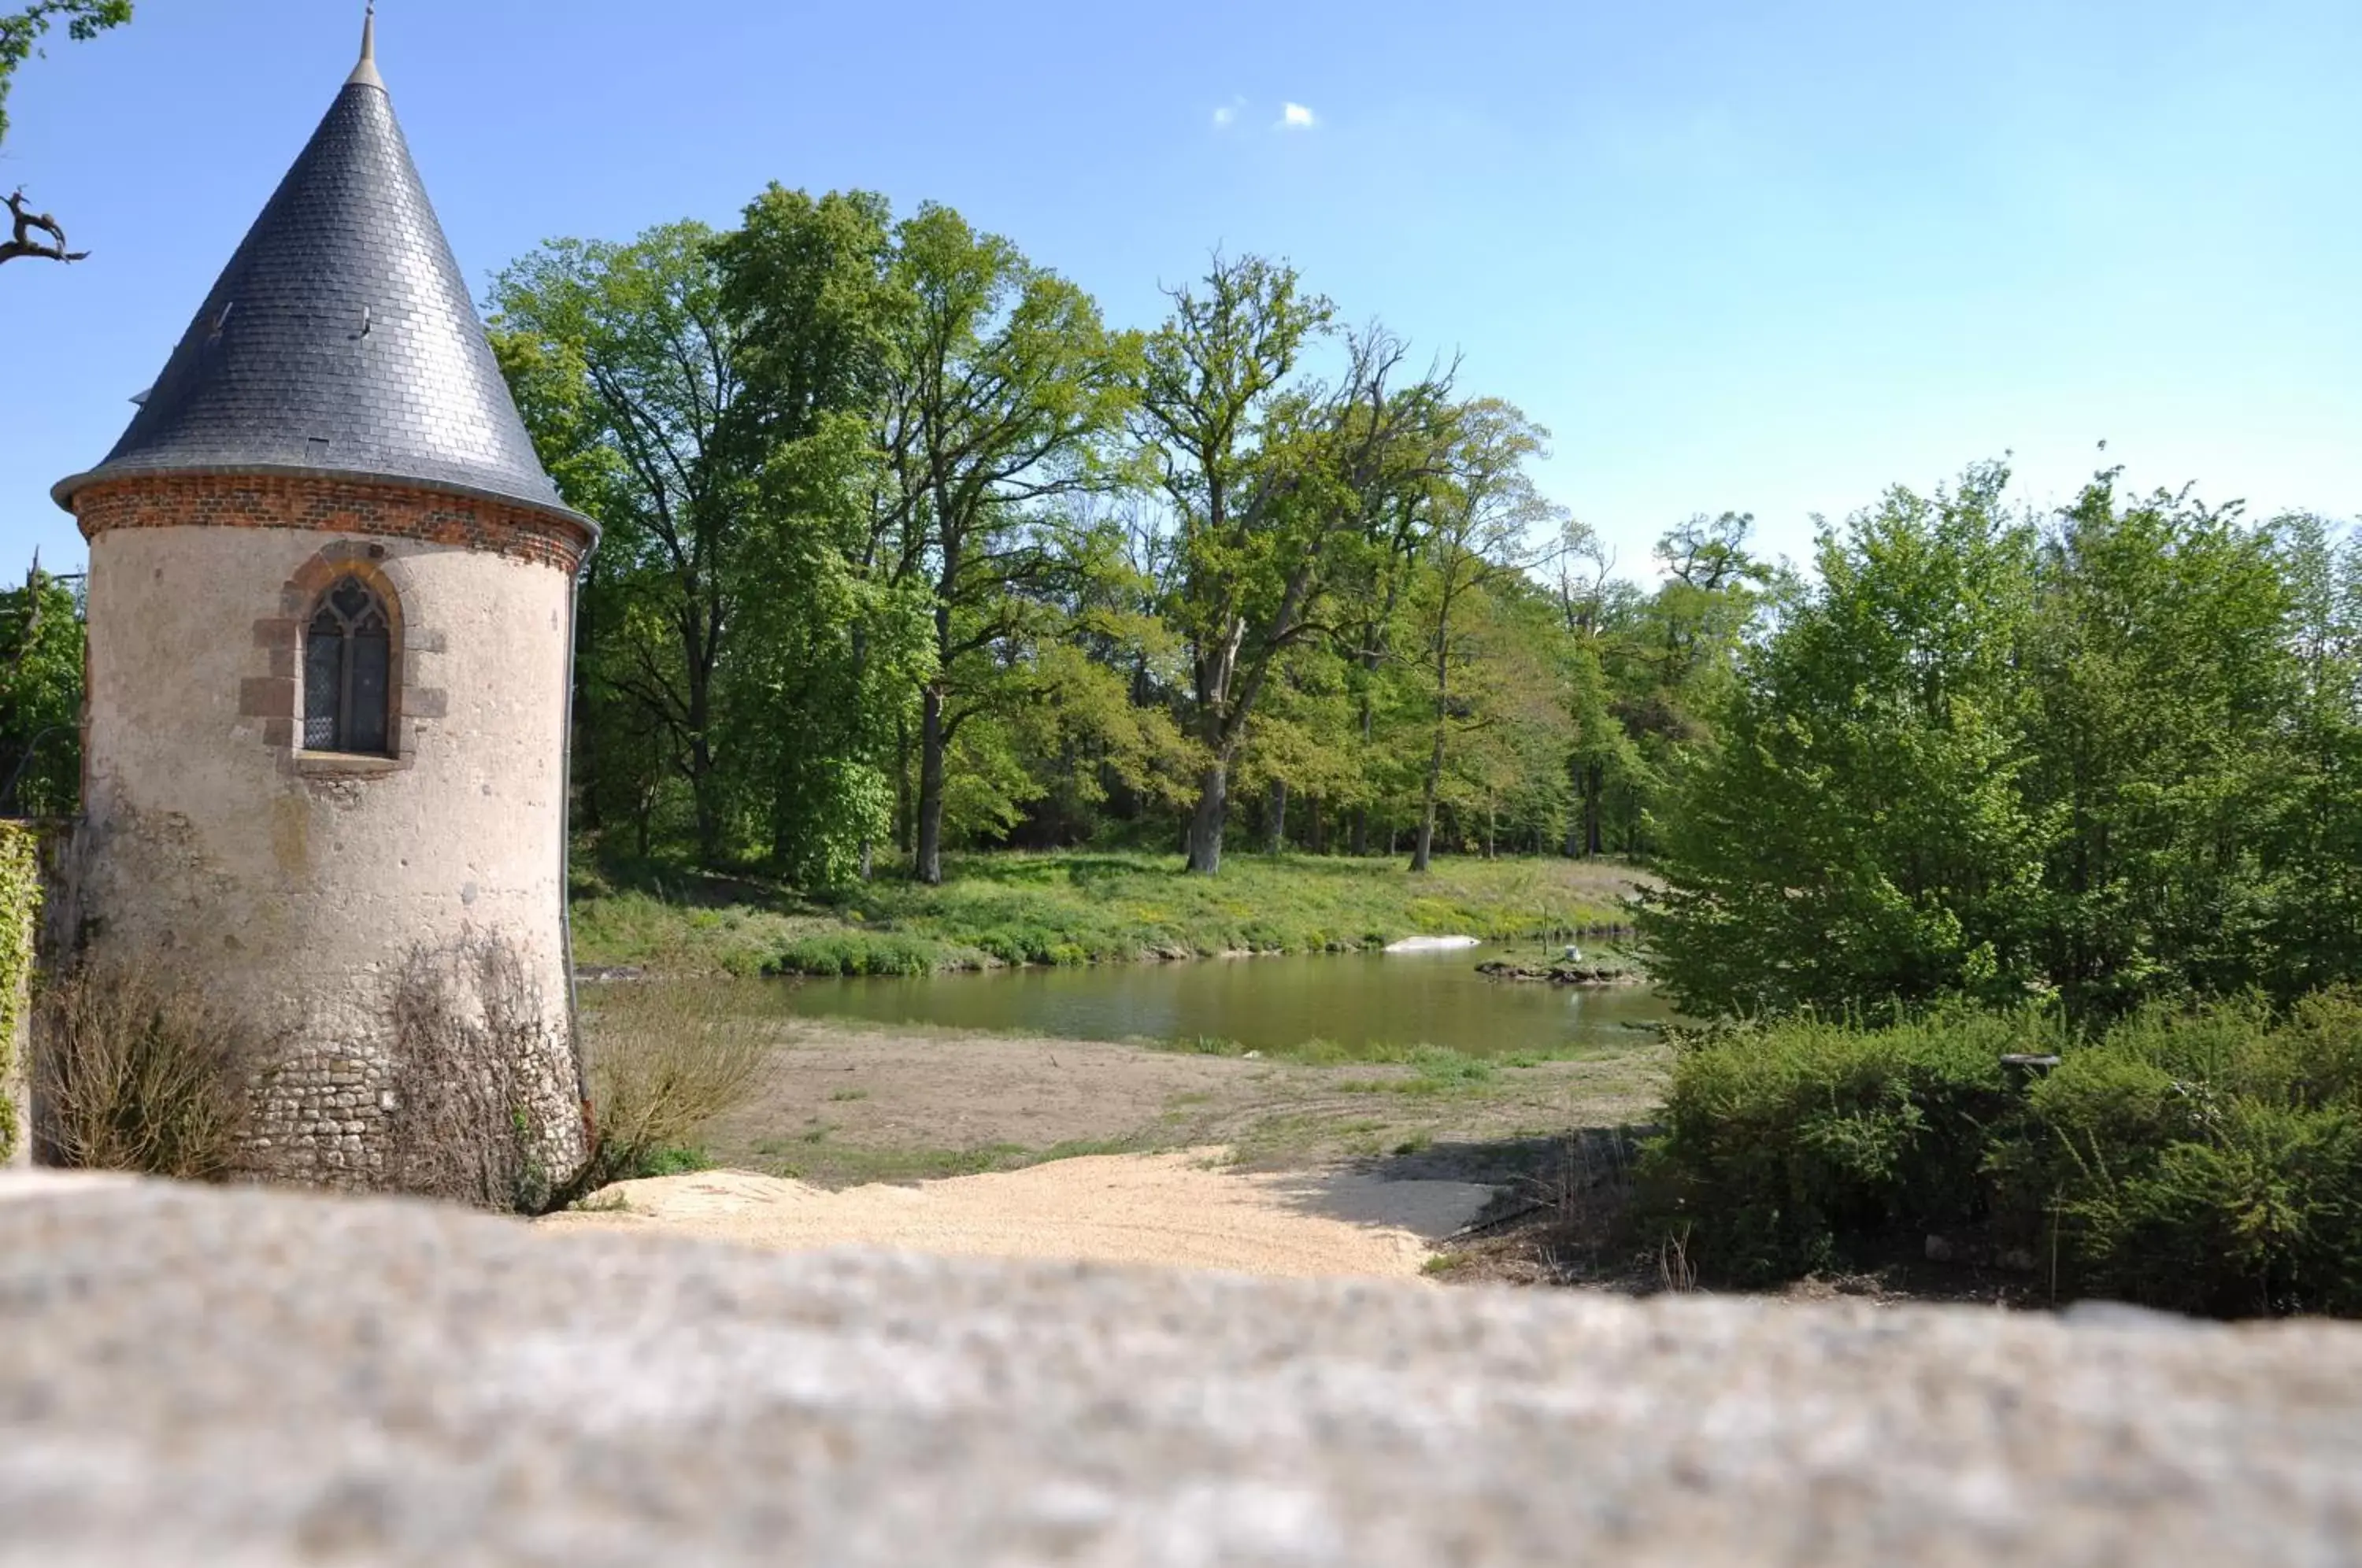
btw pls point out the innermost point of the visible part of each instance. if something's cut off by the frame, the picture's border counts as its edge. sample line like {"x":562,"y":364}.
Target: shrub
{"x":20,"y":912}
{"x":2262,"y":1215}
{"x":666,"y":1058}
{"x":138,"y":1071}
{"x":2207,"y":1160}
{"x":1780,"y":1144}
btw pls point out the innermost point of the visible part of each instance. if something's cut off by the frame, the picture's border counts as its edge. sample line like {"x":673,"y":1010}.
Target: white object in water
{"x":1433,"y":943}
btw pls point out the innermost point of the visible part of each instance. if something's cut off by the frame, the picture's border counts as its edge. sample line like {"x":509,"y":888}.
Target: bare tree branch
{"x":22,"y":244}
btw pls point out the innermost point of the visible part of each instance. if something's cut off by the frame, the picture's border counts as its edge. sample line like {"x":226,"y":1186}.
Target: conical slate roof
{"x":340,"y":340}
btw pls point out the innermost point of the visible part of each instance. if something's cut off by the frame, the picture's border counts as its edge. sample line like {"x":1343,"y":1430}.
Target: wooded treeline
{"x":908,"y":548}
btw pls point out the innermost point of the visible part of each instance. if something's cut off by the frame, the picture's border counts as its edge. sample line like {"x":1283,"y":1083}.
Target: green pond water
{"x":1356,"y":1000}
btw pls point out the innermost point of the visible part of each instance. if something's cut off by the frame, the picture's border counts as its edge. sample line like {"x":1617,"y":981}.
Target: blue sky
{"x":1740,"y":254}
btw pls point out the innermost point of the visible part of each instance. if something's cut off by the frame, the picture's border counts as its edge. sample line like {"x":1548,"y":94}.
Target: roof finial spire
{"x":365,"y":73}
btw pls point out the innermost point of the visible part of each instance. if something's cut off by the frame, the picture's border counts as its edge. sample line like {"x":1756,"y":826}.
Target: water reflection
{"x":1436,"y":999}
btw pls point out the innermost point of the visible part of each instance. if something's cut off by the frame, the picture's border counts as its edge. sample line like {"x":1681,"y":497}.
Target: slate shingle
{"x":340,"y":340}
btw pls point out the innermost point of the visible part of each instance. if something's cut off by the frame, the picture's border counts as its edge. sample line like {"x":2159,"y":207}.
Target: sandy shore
{"x":1185,"y":1211}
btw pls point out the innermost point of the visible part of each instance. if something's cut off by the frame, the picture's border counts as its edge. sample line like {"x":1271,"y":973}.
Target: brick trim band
{"x":331,"y":507}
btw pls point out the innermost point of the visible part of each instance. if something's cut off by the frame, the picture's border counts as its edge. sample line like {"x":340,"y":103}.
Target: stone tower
{"x":331,"y":600}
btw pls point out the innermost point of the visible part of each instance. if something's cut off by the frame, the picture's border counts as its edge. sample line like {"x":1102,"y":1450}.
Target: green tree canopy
{"x":2110,"y":760}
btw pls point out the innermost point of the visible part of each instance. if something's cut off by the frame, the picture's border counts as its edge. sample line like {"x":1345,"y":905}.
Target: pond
{"x":1356,"y":1000}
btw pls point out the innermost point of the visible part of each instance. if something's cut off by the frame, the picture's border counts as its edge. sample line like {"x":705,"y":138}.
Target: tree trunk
{"x":929,"y":865}
{"x":1212,"y":814}
{"x":700,"y":766}
{"x":1362,"y":812}
{"x":905,"y":819}
{"x":709,"y":816}
{"x":1275,"y":817}
{"x":1423,"y":851}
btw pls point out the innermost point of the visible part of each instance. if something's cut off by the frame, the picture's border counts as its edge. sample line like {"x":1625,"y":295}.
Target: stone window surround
{"x":276,"y":697}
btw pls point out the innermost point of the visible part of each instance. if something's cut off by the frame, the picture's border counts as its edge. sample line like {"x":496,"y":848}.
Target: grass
{"x":1011,"y":908}
{"x":1435,"y":1068}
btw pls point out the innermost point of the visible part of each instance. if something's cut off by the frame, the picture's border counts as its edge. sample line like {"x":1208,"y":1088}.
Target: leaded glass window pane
{"x":348,"y":672}
{"x":365,"y":718}
{"x":323,"y":679}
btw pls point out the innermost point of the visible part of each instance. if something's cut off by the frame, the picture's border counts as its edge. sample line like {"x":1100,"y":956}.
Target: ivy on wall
{"x":20,"y":912}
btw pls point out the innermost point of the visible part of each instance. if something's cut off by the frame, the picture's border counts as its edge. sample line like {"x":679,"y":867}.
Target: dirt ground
{"x":948,"y":1141}
{"x":845,"y":1104}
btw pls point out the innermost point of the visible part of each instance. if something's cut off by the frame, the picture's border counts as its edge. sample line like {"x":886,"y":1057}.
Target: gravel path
{"x":1184,"y":1211}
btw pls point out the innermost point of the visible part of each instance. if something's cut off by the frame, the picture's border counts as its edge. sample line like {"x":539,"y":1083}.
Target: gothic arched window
{"x":348,"y":665}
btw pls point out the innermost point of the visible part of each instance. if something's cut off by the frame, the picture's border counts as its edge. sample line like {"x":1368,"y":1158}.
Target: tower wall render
{"x":297,"y":886}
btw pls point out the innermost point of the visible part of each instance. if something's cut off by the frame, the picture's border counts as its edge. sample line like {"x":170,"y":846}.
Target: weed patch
{"x":140,"y":1072}
{"x":666,"y":1058}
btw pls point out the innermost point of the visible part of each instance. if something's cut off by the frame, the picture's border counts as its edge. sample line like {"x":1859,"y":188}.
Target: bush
{"x":1782,"y":1143}
{"x":2261,"y":1216}
{"x":2204,"y":1161}
{"x":140,"y":1072}
{"x":666,"y":1058}
{"x":2207,"y":1162}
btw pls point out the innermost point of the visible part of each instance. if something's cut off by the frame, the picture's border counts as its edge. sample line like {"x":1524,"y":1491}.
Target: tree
{"x":1482,"y":515}
{"x":837,"y":643}
{"x":40,"y":697}
{"x":1263,"y":479}
{"x":1210,"y":412}
{"x":20,"y":36}
{"x":642,"y":325}
{"x":1004,"y":389}
{"x":1858,"y":836}
{"x":2311,"y":834}
{"x":1593,"y":604}
{"x":2111,"y":760}
{"x":2163,"y":677}
{"x":616,"y":767}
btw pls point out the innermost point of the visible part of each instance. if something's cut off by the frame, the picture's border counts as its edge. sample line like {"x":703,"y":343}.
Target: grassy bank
{"x":1079,"y":907}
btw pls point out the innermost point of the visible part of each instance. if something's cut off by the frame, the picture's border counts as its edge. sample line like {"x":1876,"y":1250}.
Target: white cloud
{"x":1225,"y":116}
{"x":1295,"y":117}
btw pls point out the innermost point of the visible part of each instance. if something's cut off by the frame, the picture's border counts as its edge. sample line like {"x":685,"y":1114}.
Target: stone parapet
{"x":247,"y":1377}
